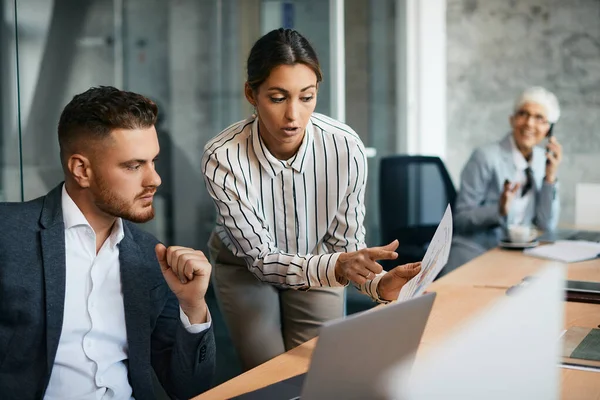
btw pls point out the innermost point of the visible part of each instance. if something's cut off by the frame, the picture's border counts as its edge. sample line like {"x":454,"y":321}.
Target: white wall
{"x":422,"y":83}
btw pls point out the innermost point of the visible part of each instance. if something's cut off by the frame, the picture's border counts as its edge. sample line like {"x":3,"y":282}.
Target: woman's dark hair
{"x":280,"y":47}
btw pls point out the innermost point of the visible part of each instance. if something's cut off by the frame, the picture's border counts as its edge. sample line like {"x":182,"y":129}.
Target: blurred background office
{"x":189,"y":56}
{"x":496,"y":49}
{"x":430,"y":77}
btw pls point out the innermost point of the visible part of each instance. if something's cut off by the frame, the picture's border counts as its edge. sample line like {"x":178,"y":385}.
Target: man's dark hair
{"x":95,"y":113}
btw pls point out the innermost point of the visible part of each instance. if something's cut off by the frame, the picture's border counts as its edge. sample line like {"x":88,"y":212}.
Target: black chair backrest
{"x":413,"y":194}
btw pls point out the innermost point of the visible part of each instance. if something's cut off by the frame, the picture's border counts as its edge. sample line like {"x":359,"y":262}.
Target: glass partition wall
{"x":188,"y":56}
{"x":10,"y":170}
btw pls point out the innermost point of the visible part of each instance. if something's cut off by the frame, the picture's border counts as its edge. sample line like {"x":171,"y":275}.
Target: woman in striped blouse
{"x":289,"y":186}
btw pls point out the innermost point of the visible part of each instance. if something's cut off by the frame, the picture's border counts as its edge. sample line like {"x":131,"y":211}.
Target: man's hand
{"x":391,"y":283}
{"x":507,"y":196}
{"x":361,"y":266}
{"x":553,"y":157}
{"x":187,"y":272}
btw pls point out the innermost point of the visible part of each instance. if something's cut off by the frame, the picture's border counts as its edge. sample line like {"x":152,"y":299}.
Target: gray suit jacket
{"x":32,"y":291}
{"x":477,"y":220}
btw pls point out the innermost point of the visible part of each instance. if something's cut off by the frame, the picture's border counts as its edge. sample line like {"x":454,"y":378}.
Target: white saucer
{"x":513,"y":245}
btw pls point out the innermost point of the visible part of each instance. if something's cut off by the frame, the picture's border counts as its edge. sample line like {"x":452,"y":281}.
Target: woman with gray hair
{"x":510,"y":182}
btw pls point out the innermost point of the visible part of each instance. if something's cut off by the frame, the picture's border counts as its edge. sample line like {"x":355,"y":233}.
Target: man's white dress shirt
{"x":91,"y":360}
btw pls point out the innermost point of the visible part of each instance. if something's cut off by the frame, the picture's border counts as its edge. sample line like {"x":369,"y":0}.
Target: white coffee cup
{"x":520,"y":233}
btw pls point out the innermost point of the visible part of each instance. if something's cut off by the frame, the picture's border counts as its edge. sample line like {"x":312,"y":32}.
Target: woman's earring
{"x":255,"y":113}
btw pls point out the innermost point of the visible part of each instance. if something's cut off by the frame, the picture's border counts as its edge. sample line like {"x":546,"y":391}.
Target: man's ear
{"x":79,"y":168}
{"x":249,"y":93}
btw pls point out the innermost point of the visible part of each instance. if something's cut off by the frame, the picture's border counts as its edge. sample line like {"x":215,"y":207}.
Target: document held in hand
{"x":435,"y":259}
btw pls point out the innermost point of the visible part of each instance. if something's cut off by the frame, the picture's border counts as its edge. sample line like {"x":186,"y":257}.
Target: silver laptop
{"x":352,"y":353}
{"x":570,"y":234}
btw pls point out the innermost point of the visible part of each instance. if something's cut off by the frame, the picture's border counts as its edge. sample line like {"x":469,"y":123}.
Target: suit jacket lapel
{"x":136,"y":301}
{"x":54,"y":266}
{"x":538,"y":162}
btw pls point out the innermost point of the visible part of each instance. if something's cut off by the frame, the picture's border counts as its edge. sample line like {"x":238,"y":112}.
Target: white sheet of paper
{"x":566,"y":251}
{"x":434,"y":260}
{"x":510,"y":351}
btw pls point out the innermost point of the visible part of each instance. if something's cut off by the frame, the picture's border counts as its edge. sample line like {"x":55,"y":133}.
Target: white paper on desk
{"x":510,"y":351}
{"x":566,"y":251}
{"x":434,"y":260}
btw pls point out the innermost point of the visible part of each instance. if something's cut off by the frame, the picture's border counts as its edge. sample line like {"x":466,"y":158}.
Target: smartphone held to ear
{"x":549,"y":135}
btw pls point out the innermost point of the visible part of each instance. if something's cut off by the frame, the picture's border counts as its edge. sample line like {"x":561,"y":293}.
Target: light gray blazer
{"x":477,"y":220}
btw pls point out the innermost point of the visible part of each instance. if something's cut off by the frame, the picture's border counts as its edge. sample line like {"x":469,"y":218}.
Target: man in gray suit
{"x":90,"y":303}
{"x":512,"y":181}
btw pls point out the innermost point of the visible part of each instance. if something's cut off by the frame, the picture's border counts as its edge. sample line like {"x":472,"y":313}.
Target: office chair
{"x":413,"y":194}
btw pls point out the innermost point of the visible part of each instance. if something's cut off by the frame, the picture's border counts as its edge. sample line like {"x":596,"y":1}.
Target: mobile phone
{"x":549,"y":135}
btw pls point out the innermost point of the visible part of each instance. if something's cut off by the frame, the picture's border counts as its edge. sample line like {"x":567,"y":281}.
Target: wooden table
{"x":460,"y":295}
{"x":504,"y":268}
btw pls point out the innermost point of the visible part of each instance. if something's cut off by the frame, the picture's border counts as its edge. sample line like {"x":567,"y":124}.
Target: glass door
{"x":10,"y":154}
{"x":371,"y":106}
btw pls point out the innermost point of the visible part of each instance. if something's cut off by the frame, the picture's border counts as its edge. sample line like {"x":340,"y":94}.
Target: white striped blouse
{"x":290,"y":219}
